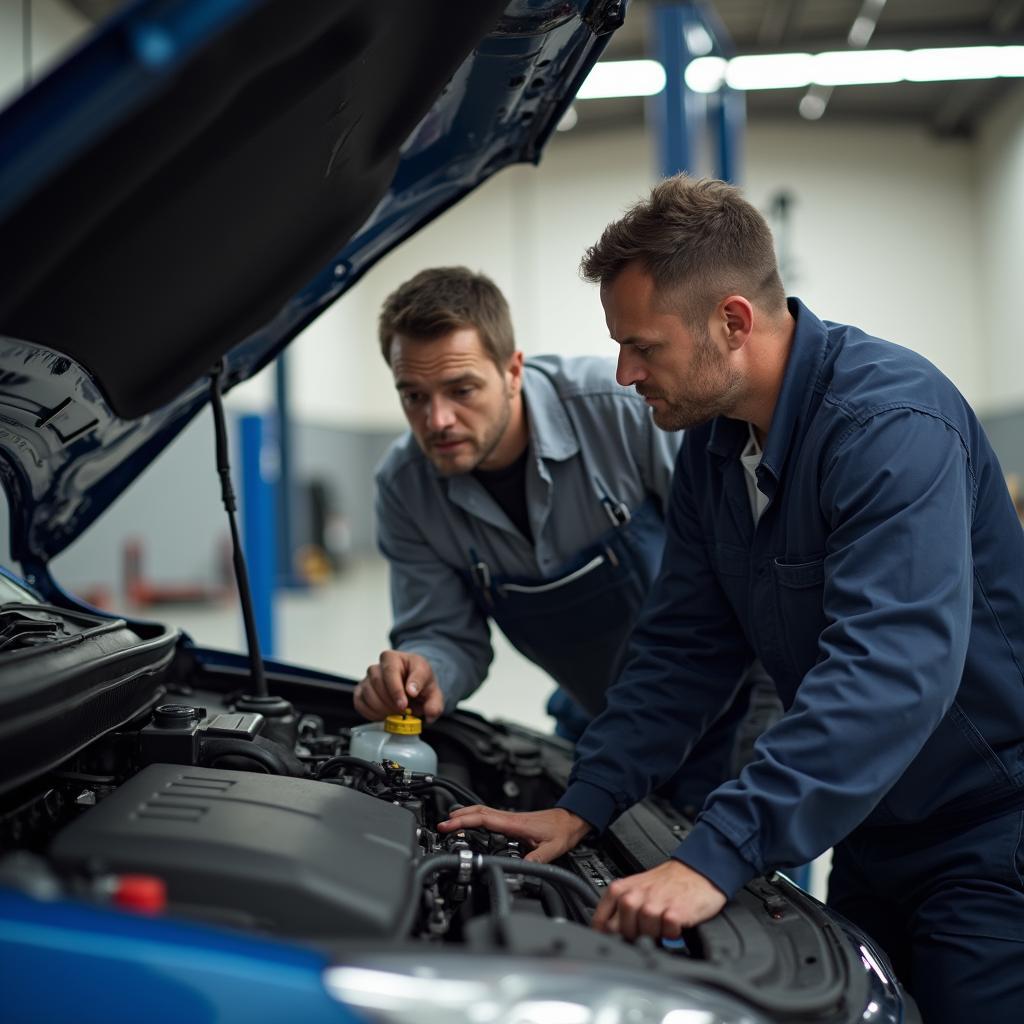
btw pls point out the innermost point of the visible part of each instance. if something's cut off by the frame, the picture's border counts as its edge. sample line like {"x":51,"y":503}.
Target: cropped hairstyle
{"x":444,"y":299}
{"x":700,"y":241}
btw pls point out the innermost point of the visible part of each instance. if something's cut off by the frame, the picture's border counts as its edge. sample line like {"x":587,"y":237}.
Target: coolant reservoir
{"x":403,"y":744}
{"x":366,"y":741}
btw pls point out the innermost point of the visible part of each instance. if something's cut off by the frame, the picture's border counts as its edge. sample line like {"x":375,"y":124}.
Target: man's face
{"x":457,"y":402}
{"x":685,"y":376}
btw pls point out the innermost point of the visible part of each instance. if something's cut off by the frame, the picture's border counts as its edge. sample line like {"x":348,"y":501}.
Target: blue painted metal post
{"x":674,"y":107}
{"x":730,"y":122}
{"x":686,"y":120}
{"x":259,"y":483}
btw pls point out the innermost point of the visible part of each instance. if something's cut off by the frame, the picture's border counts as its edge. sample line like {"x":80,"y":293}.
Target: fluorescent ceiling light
{"x":965,"y":62}
{"x":855,"y":67}
{"x":613,"y":78}
{"x":707,"y":74}
{"x":770,"y":71}
{"x":859,"y":67}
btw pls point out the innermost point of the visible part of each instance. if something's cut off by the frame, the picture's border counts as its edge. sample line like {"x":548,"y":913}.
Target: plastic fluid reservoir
{"x":366,"y":741}
{"x":404,"y":745}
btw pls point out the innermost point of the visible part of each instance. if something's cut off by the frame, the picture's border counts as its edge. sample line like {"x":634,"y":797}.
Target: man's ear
{"x":514,"y":368}
{"x":736,"y":315}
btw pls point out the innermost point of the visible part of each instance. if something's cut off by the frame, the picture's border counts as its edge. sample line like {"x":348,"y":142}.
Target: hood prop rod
{"x":227,"y":492}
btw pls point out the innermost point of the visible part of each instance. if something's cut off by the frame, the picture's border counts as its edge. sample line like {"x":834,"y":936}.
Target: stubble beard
{"x":719,"y":390}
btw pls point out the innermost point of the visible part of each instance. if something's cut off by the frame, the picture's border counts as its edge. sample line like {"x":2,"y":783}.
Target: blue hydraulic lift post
{"x":686,"y":119}
{"x":259,"y":479}
{"x":673,"y":107}
{"x":729,"y":124}
{"x":727,"y":108}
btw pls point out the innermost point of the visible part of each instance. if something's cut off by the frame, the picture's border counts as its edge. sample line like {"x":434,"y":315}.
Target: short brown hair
{"x":443,"y":299}
{"x":697,"y":236}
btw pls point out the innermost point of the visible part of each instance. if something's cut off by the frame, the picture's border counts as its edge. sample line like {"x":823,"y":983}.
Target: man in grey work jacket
{"x":837,"y":511}
{"x":531,"y":494}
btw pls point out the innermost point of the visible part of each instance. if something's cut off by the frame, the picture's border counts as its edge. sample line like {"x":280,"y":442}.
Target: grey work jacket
{"x":586,"y":432}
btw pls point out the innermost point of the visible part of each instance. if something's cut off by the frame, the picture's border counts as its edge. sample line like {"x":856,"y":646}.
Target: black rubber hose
{"x":510,"y":865}
{"x":552,"y":901}
{"x":449,"y":801}
{"x":548,"y":872}
{"x":423,"y":870}
{"x":501,"y":903}
{"x":467,"y":796}
{"x":214,"y":749}
{"x":348,"y":761}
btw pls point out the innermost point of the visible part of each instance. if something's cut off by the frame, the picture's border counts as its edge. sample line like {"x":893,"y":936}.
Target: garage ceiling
{"x":812,"y":26}
{"x":782,"y":26}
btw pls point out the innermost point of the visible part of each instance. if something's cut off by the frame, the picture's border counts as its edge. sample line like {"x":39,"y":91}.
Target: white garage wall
{"x":883,"y":234}
{"x":1000,"y":174}
{"x":54,"y":29}
{"x":883,"y":228}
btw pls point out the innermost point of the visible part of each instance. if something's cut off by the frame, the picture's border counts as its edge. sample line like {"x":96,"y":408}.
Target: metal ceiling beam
{"x":760,"y":109}
{"x":965,"y":105}
{"x":776,"y":22}
{"x":895,"y":39}
{"x":1007,"y":16}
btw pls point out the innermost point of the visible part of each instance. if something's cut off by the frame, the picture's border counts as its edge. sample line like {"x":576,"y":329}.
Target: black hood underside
{"x":229,"y":190}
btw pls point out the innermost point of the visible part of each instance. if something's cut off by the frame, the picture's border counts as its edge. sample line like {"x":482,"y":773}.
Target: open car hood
{"x":204,"y":177}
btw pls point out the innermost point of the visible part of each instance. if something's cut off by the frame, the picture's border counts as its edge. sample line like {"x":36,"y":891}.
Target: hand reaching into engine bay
{"x":399,"y":680}
{"x":551,"y":833}
{"x":661,"y":903}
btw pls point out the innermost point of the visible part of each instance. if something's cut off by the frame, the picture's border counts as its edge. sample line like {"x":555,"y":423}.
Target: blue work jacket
{"x":883,"y":589}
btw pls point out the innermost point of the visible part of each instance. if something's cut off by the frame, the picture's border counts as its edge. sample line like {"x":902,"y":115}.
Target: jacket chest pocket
{"x":800,"y":602}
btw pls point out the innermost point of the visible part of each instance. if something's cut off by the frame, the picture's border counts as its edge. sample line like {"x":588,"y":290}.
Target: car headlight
{"x":397,"y":989}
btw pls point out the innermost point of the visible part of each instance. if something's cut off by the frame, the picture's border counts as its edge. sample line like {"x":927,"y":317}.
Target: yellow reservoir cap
{"x":403,"y":725}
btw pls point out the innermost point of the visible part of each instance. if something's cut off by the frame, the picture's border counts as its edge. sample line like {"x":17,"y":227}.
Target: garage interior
{"x":897,"y":206}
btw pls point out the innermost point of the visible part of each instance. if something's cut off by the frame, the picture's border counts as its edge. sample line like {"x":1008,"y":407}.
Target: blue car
{"x":184,"y":834}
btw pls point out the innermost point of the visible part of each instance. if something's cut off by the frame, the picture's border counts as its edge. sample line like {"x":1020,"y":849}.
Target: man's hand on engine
{"x":551,"y":833}
{"x":659,"y":903}
{"x":398,"y":680}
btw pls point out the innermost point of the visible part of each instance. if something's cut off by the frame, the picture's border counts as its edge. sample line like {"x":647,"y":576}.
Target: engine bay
{"x":249,"y":813}
{"x":266,"y":823}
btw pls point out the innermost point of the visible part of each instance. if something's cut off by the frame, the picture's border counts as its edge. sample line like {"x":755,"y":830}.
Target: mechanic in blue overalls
{"x":838,"y":512}
{"x":527,"y":493}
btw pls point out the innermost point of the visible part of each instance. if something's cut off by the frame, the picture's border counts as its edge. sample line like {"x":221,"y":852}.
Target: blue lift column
{"x":260,"y":469}
{"x":687,"y":122}
{"x":675,"y":109}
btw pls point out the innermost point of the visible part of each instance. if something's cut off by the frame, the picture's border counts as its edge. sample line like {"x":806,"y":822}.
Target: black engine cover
{"x":283,"y":855}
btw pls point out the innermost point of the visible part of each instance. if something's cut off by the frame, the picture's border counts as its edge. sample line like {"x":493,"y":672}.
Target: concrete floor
{"x":342,"y":627}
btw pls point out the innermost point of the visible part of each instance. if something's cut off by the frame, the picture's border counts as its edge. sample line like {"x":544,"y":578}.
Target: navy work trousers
{"x":948,"y":908}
